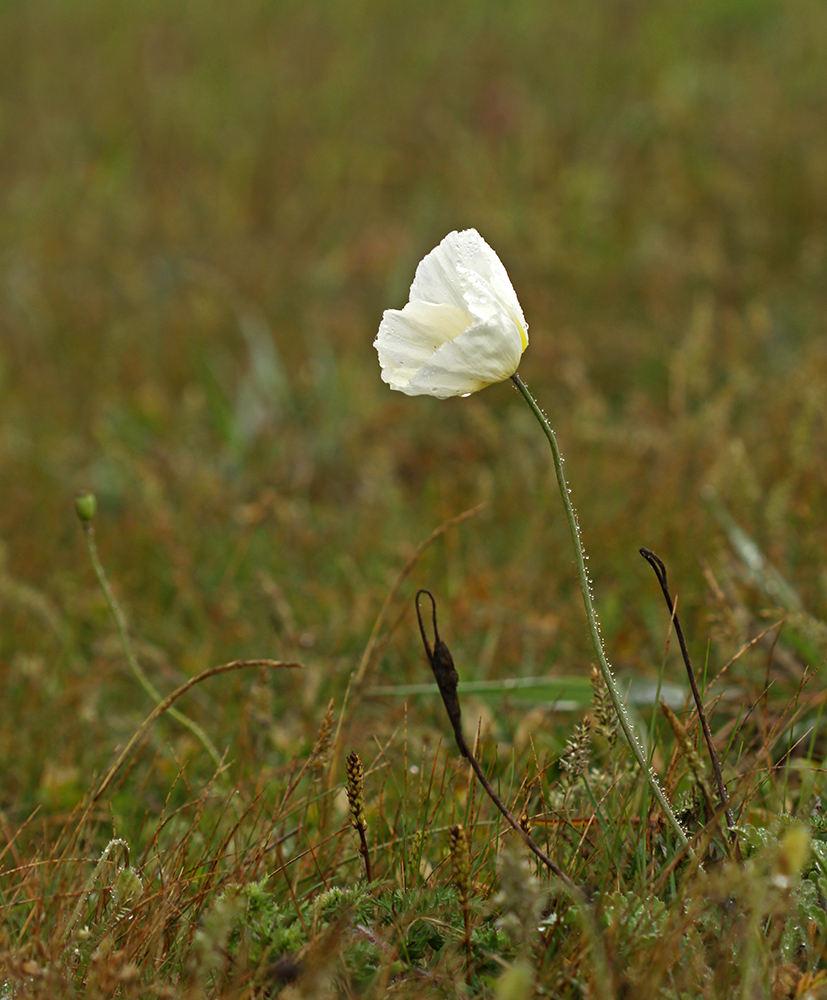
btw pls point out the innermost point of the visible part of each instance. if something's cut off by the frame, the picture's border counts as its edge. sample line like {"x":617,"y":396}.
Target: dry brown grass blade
{"x":162,"y":707}
{"x":745,"y":647}
{"x":403,"y":575}
{"x":159,"y":710}
{"x":783,"y":724}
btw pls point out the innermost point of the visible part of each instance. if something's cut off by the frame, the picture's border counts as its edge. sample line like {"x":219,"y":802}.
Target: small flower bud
{"x":85,"y":506}
{"x":516,"y":982}
{"x":128,"y":887}
{"x":793,"y":851}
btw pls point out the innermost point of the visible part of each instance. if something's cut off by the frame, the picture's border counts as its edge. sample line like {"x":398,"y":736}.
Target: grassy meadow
{"x":205,"y":208}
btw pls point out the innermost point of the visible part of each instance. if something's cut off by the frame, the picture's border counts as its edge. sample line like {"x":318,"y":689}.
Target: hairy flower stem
{"x":585,"y":587}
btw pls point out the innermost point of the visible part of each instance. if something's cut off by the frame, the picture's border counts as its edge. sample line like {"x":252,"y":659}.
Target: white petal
{"x":452,"y":271}
{"x":463,"y":327}
{"x":481,"y":355}
{"x":436,"y":275}
{"x":409,"y":337}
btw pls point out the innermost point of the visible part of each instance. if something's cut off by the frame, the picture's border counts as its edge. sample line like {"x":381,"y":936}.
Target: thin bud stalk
{"x":126,"y":644}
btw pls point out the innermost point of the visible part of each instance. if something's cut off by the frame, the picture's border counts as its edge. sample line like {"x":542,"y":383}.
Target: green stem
{"x":594,"y":630}
{"x":131,"y":659}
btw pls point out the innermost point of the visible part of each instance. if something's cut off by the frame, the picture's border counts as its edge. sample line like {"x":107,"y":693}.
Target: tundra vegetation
{"x":227,"y":770}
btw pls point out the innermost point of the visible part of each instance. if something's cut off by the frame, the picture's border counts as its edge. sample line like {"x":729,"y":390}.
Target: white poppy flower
{"x":462,"y":329}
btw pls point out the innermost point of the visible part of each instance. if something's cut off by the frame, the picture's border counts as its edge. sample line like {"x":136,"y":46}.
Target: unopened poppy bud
{"x":85,"y":506}
{"x":128,"y":887}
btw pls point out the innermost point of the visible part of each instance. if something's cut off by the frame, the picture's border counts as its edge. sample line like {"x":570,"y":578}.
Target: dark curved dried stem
{"x":660,"y":572}
{"x":447,"y":680}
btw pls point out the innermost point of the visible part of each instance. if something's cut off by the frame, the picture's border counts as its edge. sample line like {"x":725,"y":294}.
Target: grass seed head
{"x":605,"y":717}
{"x":460,"y":861}
{"x":687,"y":748}
{"x":521,"y":897}
{"x":324,"y":738}
{"x":355,"y":791}
{"x":576,"y":754}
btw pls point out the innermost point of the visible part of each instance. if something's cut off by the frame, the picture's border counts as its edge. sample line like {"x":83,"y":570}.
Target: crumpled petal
{"x":463,"y":327}
{"x":408,"y":338}
{"x":464,"y":264}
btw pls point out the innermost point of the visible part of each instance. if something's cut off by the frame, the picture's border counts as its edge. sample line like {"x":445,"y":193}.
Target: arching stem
{"x":580,"y":560}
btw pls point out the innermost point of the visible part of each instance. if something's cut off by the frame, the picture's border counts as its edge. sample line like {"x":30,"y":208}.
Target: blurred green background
{"x":205,"y":209}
